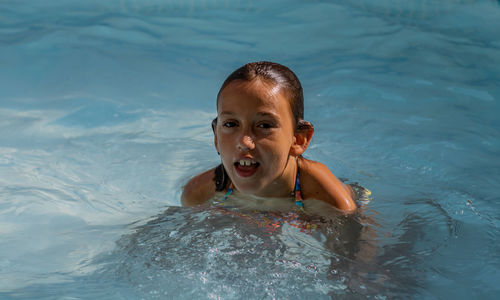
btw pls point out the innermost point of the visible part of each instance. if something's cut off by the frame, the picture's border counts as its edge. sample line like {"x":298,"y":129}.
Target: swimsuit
{"x":296,"y":191}
{"x":272,"y":221}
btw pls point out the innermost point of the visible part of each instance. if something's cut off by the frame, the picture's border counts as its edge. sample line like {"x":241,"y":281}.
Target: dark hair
{"x":274,"y":73}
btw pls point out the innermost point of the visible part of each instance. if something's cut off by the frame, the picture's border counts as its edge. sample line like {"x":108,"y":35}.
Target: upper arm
{"x":321,"y":184}
{"x":199,"y":189}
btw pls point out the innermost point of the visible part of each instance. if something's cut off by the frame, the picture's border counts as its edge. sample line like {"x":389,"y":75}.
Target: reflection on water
{"x":211,"y":252}
{"x":198,"y":252}
{"x":214,"y":251}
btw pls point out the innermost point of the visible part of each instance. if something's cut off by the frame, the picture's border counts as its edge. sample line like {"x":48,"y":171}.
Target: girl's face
{"x":254,"y":135}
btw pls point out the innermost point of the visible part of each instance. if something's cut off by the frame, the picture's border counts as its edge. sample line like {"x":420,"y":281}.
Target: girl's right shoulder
{"x":199,"y":189}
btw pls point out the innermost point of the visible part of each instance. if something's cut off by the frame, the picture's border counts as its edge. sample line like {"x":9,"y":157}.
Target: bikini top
{"x":296,"y":191}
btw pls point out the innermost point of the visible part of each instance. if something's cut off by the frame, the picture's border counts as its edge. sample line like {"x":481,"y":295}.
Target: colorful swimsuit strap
{"x":229,"y":191}
{"x":296,"y":191}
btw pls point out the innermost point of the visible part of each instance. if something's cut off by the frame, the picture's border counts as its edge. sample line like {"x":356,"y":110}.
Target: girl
{"x":260,"y":135}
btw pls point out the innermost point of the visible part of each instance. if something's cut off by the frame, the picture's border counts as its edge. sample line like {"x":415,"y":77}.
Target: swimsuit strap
{"x":296,"y":191}
{"x":229,"y":191}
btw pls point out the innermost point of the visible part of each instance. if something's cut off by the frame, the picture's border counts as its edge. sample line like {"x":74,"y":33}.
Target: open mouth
{"x":246,"y":167}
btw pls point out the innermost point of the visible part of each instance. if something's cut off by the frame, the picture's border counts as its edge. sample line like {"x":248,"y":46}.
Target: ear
{"x":214,"y":129}
{"x":302,"y":138}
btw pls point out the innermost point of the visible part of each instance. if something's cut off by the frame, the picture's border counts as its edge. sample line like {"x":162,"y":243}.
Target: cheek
{"x":223,"y":140}
{"x":226,"y":148}
{"x":277,"y":152}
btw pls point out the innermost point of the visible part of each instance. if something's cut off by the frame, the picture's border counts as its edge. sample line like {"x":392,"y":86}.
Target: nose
{"x":246,"y":142}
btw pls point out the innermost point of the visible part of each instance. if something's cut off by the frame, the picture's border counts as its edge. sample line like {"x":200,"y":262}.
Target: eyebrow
{"x":264,"y":114}
{"x":267,"y":114}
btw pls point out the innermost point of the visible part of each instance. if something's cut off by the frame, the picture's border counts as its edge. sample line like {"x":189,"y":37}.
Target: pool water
{"x":105,"y":111}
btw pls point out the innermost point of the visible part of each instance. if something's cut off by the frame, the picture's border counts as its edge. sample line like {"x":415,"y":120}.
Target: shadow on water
{"x":200,"y":252}
{"x":216,"y":251}
{"x":211,"y":252}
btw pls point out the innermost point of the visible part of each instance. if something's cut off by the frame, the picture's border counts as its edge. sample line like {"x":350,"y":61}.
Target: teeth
{"x":246,"y":162}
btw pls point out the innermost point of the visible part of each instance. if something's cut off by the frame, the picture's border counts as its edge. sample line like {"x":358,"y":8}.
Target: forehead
{"x":256,"y":93}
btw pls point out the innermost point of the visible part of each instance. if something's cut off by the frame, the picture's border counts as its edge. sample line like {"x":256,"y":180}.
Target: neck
{"x":284,"y":185}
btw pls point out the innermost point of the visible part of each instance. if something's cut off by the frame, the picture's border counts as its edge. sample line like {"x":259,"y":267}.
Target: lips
{"x":246,"y":167}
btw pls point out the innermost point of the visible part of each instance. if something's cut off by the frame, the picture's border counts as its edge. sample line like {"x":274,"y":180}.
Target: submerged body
{"x":261,"y":136}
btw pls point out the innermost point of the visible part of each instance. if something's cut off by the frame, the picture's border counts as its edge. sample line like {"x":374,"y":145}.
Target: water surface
{"x":105,"y":111}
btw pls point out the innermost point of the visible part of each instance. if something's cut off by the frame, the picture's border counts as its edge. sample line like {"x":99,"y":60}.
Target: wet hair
{"x":221,"y":178}
{"x":276,"y":74}
{"x":273,"y":73}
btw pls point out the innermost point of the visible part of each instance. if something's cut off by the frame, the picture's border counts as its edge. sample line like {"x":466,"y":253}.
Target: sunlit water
{"x":105,"y":109}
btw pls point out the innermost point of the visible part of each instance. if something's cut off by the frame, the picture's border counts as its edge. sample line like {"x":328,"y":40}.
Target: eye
{"x":229,"y":124}
{"x":265,"y":125}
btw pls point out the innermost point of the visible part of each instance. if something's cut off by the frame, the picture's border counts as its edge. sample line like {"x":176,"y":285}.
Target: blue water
{"x":105,"y":109}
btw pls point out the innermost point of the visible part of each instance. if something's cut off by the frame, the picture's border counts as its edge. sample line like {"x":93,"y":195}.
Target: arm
{"x":320,"y":183}
{"x":199,"y":189}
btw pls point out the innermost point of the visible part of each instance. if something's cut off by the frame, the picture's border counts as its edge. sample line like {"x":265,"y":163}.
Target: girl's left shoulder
{"x":318,"y":182}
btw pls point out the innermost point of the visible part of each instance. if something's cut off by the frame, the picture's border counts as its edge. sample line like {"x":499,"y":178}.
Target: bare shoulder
{"x":199,"y":189}
{"x":318,"y":182}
